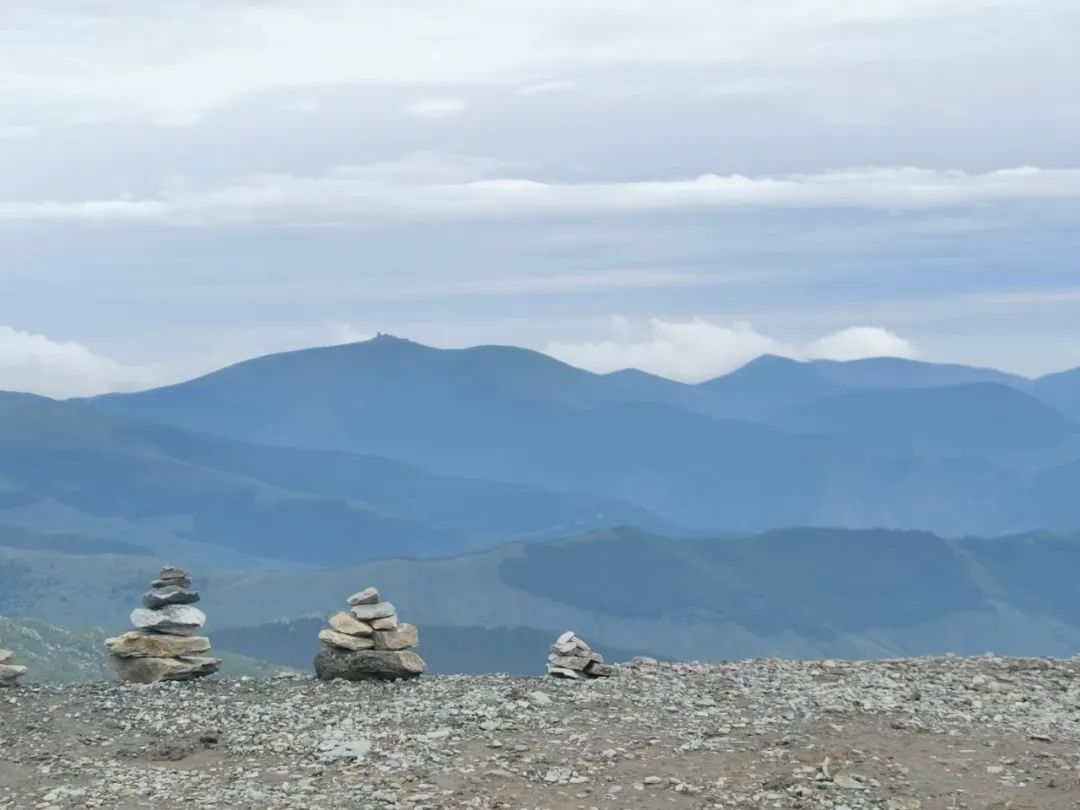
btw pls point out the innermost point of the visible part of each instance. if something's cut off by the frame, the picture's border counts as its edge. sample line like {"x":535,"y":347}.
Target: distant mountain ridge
{"x":878,"y":442}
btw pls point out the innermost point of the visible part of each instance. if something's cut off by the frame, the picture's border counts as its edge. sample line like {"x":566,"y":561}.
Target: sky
{"x":674,"y":186}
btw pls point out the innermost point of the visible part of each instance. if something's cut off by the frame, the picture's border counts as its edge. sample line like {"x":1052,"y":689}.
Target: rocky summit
{"x":367,"y":642}
{"x":917,"y":734}
{"x":165,"y":645}
{"x":572,"y":658}
{"x":10,"y":672}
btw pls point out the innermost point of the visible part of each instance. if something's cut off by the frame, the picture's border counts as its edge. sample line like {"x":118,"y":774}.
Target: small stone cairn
{"x":164,"y":645}
{"x":367,"y":643}
{"x":571,"y":658}
{"x":9,"y":672}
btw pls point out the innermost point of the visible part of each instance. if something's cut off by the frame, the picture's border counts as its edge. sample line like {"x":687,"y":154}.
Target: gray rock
{"x":379,"y":610}
{"x":180,"y":620}
{"x":598,"y":670}
{"x":367,"y":665}
{"x":169,"y":595}
{"x":146,"y":644}
{"x":9,"y":673}
{"x":171,"y":583}
{"x":368,"y":596}
{"x":350,"y":625}
{"x":344,"y":641}
{"x":337,"y":748}
{"x":576,"y":662}
{"x":563,"y":672}
{"x":151,"y":670}
{"x":385,"y":623}
{"x":400,"y":638}
{"x":5,"y":656}
{"x":172,"y":572}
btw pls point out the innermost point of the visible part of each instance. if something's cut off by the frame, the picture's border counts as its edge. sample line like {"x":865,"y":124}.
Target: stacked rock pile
{"x":368,"y":643}
{"x":571,"y":658}
{"x":165,"y":645}
{"x":9,"y":672}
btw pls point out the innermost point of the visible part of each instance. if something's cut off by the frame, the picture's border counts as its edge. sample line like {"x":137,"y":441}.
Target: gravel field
{"x":900,"y":735}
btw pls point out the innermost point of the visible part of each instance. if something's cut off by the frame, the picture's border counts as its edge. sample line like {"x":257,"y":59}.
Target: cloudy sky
{"x":677,"y":186}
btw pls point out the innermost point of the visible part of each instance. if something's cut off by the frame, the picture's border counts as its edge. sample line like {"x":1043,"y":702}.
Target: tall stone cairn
{"x":571,"y":658}
{"x":165,"y":645}
{"x":9,"y":672}
{"x":367,"y":643}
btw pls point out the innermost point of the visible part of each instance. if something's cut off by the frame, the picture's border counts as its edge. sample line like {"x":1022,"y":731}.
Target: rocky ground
{"x":927,"y":733}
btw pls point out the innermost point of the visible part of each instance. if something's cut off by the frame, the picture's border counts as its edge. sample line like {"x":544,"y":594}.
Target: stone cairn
{"x":164,"y":645}
{"x":367,"y":643}
{"x":571,"y":658}
{"x":9,"y":672}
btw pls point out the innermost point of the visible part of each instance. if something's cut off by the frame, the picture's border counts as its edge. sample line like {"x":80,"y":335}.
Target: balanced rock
{"x":571,"y":658}
{"x":347,"y":623}
{"x":147,"y":644}
{"x":9,"y":672}
{"x":180,"y":620}
{"x":368,"y":596}
{"x":379,"y":610}
{"x":401,"y":637}
{"x":165,"y":644}
{"x":368,"y":642}
{"x":344,"y":641}
{"x":169,"y":595}
{"x":367,"y":665}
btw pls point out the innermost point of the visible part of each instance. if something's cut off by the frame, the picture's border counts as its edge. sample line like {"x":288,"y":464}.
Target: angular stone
{"x":344,"y":641}
{"x":576,"y":662}
{"x":350,"y":625}
{"x":367,"y":665}
{"x":171,"y":583}
{"x":565,"y":638}
{"x":385,"y":623}
{"x":563,"y":672}
{"x":380,"y":610}
{"x":598,"y":670}
{"x":178,"y":620}
{"x":368,"y":596}
{"x":169,"y":595}
{"x":146,"y":644}
{"x":9,"y":673}
{"x":564,"y":648}
{"x":151,"y":670}
{"x":400,"y":638}
{"x":5,"y":656}
{"x":172,"y":572}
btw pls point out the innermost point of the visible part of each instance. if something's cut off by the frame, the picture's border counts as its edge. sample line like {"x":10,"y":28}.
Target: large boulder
{"x":151,"y":670}
{"x":144,"y":644}
{"x":368,"y":665}
{"x":180,"y":620}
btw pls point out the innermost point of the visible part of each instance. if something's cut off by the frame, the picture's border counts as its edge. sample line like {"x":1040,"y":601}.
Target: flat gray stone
{"x":385,"y":623}
{"x":171,"y":583}
{"x":151,"y":670}
{"x":179,"y":620}
{"x":169,"y":595}
{"x":367,"y":665}
{"x":575,"y":662}
{"x":368,"y":596}
{"x":379,"y":610}
{"x":598,"y":670}
{"x":563,"y":672}
{"x":172,"y":572}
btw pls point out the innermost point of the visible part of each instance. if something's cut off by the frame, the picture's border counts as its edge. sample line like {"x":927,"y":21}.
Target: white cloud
{"x":699,"y":349}
{"x":456,"y":187}
{"x":40,"y":365}
{"x":437,"y":108}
